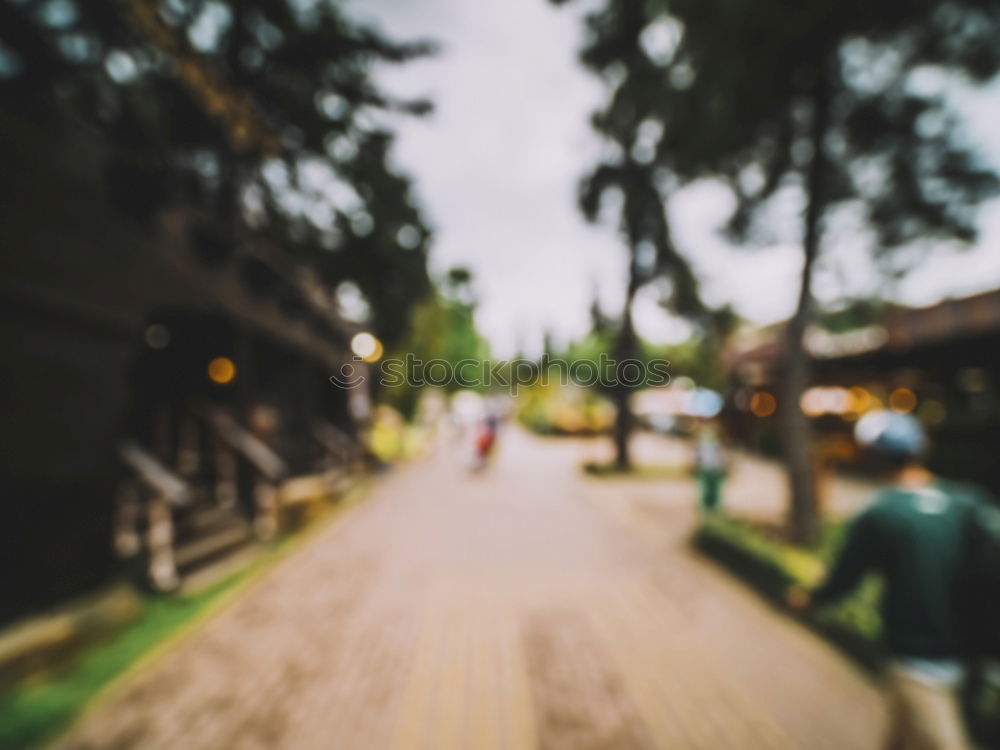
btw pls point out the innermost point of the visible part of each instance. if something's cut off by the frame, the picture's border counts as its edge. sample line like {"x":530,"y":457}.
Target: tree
{"x":442,"y":327}
{"x":630,"y":177}
{"x":261,"y":112}
{"x":814,"y":96}
{"x":818,"y":95}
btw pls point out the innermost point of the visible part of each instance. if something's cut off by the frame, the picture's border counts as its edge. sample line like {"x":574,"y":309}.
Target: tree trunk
{"x":803,"y":515}
{"x":803,"y":521}
{"x":624,"y":419}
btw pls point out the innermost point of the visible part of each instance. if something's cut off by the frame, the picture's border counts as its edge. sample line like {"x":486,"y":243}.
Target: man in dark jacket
{"x":918,"y":533}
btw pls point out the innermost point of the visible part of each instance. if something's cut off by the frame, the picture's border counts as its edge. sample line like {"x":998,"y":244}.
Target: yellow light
{"x":902,"y":400}
{"x":221,"y":370}
{"x":860,"y":400}
{"x":376,"y":355}
{"x":763,"y":404}
{"x":367,"y":347}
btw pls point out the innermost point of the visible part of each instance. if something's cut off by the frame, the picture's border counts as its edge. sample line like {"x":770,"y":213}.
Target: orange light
{"x":860,"y":399}
{"x":902,"y":400}
{"x":763,"y":404}
{"x":221,"y":370}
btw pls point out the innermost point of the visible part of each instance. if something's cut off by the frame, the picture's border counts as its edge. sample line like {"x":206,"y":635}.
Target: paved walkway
{"x":755,"y":486}
{"x":523,"y":608}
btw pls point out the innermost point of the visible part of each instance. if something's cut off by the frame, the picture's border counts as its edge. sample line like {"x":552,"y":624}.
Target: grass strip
{"x":38,"y":709}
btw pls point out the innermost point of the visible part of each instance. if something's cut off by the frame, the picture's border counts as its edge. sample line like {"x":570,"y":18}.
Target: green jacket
{"x":927,"y":544}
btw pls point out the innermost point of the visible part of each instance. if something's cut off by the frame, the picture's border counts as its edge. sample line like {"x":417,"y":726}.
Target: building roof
{"x":901,"y":329}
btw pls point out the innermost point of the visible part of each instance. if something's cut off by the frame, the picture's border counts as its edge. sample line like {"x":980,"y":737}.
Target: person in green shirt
{"x":710,"y":466}
{"x":920,"y":533}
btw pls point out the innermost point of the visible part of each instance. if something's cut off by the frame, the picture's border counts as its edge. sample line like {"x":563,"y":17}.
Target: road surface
{"x":527,"y":607}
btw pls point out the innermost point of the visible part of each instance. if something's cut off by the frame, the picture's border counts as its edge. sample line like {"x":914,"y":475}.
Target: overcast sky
{"x":497,"y":165}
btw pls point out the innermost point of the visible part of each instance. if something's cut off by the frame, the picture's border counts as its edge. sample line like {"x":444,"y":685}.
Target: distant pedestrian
{"x":484,"y":437}
{"x":710,"y":466}
{"x":925,"y":537}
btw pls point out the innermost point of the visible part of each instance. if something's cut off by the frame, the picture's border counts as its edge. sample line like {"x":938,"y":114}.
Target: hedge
{"x":771,"y":567}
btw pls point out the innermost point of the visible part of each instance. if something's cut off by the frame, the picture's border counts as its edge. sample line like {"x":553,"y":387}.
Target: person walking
{"x":926,"y":537}
{"x":710,"y":466}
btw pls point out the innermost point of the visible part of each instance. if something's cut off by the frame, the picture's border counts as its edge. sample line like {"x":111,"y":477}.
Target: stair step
{"x":211,"y":517}
{"x":220,"y":568}
{"x":212,"y":546}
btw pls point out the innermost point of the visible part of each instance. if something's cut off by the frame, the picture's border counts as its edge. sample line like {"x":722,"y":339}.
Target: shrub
{"x":771,"y":567}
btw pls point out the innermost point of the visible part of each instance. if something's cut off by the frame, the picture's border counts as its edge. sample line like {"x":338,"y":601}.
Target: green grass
{"x":34,"y":712}
{"x":644,"y":471}
{"x":771,"y":566}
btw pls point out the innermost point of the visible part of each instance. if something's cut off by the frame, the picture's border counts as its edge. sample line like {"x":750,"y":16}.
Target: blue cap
{"x":891,"y":433}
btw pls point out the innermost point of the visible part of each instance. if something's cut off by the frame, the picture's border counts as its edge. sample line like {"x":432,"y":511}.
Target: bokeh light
{"x":366,"y":346}
{"x":860,"y":399}
{"x":820,"y":400}
{"x":763,"y":404}
{"x":222,"y":371}
{"x":157,"y":336}
{"x":902,"y":400}
{"x":932,"y":413}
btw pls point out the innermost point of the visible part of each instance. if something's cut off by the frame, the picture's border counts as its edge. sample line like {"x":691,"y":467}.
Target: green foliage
{"x":772,"y":566}
{"x":629,"y":181}
{"x":763,"y":74}
{"x":858,"y":313}
{"x":33,"y":713}
{"x":628,"y":173}
{"x":442,"y":327}
{"x":445,"y":329}
{"x":261,"y":114}
{"x":556,"y":410}
{"x":698,"y":360}
{"x":652,"y":472}
{"x":817,"y":95}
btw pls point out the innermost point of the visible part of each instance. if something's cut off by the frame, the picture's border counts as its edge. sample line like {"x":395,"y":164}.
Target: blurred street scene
{"x":570,"y":374}
{"x":517,"y":608}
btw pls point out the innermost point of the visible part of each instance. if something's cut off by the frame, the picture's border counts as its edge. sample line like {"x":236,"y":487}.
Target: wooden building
{"x":942,"y":362}
{"x":160,"y":382}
